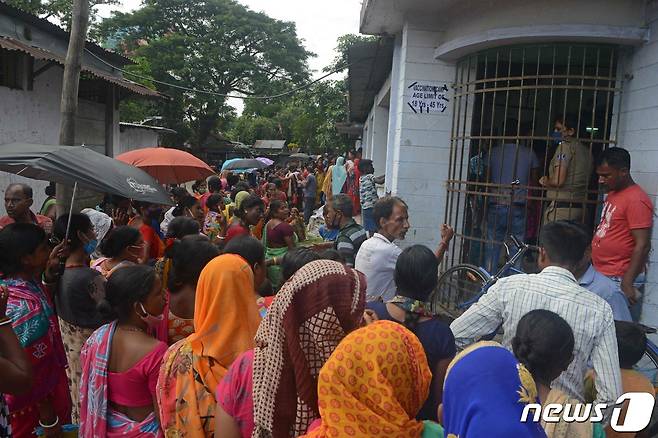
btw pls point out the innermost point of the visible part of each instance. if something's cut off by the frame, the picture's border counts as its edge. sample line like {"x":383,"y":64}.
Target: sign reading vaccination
{"x":427,"y":98}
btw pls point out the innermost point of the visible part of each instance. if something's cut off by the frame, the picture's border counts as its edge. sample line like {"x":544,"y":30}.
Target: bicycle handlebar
{"x":516,"y":241}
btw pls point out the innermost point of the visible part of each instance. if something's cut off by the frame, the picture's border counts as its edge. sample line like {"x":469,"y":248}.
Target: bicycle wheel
{"x":458,"y":285}
{"x":648,"y":366}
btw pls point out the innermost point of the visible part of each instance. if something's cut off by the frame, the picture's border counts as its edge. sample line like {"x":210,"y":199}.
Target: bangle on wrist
{"x":4,"y":321}
{"x":50,"y":426}
{"x":45,"y":281}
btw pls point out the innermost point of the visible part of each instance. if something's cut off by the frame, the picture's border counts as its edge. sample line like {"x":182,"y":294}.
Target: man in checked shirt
{"x":562,"y":246}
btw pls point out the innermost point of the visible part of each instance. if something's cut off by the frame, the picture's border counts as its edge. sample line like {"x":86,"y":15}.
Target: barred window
{"x":525,"y":115}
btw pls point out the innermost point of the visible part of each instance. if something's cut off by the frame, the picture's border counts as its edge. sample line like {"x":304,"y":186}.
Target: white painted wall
{"x":419,"y":144}
{"x":379,"y":137}
{"x":33,"y":117}
{"x":460,"y":20}
{"x":638,"y":132}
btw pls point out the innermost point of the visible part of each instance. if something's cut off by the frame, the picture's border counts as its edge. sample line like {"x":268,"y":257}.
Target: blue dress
{"x":438,"y":342}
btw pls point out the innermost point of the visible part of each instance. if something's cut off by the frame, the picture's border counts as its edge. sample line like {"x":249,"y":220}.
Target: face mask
{"x":137,"y":251}
{"x":151,"y":320}
{"x":90,"y":246}
{"x":201,"y":190}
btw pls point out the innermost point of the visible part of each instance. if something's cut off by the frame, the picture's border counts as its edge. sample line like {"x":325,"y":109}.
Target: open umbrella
{"x":79,"y":165}
{"x":229,"y":161}
{"x":245,"y":163}
{"x":300,"y":156}
{"x":265,"y":161}
{"x":168,"y":166}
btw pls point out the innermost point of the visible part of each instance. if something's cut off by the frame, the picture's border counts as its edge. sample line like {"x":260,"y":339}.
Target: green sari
{"x":274,"y":273}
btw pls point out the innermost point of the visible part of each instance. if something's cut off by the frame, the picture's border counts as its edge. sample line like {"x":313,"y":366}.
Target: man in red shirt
{"x":622,"y":241}
{"x":18,"y":200}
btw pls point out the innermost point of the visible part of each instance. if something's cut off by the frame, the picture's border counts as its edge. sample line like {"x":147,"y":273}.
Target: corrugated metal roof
{"x":37,"y":53}
{"x":151,"y":128}
{"x":269,"y":144}
{"x":370,"y":64}
{"x":43,"y":40}
{"x":46,"y":26}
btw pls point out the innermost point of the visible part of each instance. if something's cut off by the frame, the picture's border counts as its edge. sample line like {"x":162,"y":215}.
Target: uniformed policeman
{"x":568,"y":177}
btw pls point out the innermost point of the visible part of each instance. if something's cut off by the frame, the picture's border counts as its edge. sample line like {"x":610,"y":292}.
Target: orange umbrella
{"x":168,"y":166}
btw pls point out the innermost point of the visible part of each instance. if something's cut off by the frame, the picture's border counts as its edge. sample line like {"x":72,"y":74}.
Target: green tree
{"x":248,"y":129}
{"x":309,"y":116}
{"x":343,"y":45}
{"x":60,"y":10}
{"x":216,"y":45}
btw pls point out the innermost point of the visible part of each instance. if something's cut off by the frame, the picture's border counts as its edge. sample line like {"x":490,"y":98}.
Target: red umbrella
{"x":168,"y":166}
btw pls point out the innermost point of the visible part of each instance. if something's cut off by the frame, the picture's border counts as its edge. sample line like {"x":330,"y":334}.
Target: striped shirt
{"x":349,"y":240}
{"x":553,"y":289}
{"x":368,"y":191}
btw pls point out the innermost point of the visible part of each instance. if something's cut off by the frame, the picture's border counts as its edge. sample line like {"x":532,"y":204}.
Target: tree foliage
{"x":216,"y":45}
{"x":60,"y":11}
{"x":343,"y":45}
{"x":308,"y":117}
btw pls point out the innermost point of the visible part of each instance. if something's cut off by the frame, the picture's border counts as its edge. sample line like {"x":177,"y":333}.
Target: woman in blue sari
{"x":484,"y":394}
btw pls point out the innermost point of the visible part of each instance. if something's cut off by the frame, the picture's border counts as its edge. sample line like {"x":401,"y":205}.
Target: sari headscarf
{"x":35,"y":323}
{"x":374,"y":384}
{"x":485,"y":392}
{"x":312,"y":313}
{"x":239,"y":199}
{"x":225,"y":320}
{"x":96,"y":417}
{"x":101,"y":222}
{"x":338,"y":176}
{"x":326,"y":184}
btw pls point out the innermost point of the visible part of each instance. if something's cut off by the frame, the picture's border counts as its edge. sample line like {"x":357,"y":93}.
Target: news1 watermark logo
{"x":638,"y":413}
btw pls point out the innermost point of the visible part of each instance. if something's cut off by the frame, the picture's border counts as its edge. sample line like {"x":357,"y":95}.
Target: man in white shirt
{"x":562,"y":247}
{"x":378,"y":255}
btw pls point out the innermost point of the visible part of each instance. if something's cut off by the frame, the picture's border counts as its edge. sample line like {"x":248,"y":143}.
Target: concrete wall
{"x":638,"y":132}
{"x":375,"y":130}
{"x":419,"y":143}
{"x":33,"y":117}
{"x":136,"y":138}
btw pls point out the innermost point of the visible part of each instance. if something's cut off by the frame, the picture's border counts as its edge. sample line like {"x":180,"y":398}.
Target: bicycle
{"x":462,"y":285}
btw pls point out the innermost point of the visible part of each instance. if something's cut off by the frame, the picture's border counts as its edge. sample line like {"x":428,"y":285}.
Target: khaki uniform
{"x":566,"y":203}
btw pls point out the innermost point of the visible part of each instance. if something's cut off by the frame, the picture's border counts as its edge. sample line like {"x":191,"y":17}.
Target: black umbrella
{"x":79,"y":165}
{"x":300,"y":155}
{"x":246,"y":163}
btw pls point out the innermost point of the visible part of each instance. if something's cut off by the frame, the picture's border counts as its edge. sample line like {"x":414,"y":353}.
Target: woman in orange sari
{"x":225,"y":319}
{"x":373,"y":385}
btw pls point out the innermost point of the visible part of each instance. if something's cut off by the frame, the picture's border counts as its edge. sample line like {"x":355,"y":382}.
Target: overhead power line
{"x":214,"y":93}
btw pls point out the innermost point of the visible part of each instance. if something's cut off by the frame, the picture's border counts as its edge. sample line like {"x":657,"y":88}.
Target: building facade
{"x":32,"y":54}
{"x":468,"y":77}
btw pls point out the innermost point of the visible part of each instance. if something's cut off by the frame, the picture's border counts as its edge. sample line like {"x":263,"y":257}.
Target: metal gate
{"x":508,"y":102}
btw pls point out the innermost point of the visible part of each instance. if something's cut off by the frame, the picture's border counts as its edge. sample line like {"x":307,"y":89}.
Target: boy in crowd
{"x":368,"y":193}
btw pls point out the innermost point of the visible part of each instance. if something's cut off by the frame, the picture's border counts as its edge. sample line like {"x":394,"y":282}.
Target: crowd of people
{"x":214,"y":318}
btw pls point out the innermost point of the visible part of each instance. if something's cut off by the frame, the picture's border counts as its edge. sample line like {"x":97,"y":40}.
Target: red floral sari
{"x":35,"y":323}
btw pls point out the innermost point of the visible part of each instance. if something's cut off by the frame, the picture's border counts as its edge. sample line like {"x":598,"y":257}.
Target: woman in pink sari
{"x":120,"y":361}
